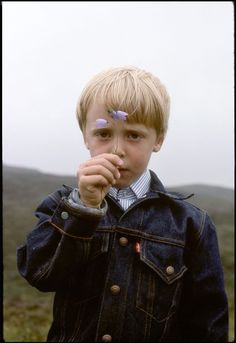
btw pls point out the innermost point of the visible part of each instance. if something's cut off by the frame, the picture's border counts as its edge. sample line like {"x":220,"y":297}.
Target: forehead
{"x":100,"y":111}
{"x":96,"y":109}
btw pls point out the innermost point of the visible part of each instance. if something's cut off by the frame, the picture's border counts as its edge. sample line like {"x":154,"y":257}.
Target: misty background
{"x":52,"y":49}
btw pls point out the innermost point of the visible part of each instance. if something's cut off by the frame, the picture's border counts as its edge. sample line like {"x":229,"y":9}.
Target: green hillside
{"x":28,"y":312}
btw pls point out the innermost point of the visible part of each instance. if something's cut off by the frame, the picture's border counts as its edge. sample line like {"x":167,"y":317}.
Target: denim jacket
{"x":151,"y":273}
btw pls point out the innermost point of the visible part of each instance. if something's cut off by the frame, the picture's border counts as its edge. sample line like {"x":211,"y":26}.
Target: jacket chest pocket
{"x":159,"y":279}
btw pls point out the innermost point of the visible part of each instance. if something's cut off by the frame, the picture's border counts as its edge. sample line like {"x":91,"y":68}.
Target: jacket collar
{"x":158,"y":188}
{"x":156,"y":185}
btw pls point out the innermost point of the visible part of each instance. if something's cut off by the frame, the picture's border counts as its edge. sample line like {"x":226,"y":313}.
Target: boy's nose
{"x":118,"y":147}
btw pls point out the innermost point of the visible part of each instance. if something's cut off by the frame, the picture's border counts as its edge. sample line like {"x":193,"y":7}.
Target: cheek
{"x":140,"y":158}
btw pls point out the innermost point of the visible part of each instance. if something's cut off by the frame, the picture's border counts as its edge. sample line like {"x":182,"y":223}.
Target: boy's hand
{"x":96,"y":176}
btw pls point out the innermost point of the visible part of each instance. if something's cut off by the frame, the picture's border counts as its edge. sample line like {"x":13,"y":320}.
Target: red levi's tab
{"x":137,"y":247}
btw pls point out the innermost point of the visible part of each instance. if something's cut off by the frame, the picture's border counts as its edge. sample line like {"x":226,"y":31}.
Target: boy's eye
{"x":103,"y":134}
{"x":134,"y":136}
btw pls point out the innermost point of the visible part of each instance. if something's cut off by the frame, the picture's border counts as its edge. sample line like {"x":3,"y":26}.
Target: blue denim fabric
{"x":171,"y":289}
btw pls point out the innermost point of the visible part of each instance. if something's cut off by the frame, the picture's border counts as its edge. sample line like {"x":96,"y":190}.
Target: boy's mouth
{"x":123,"y":170}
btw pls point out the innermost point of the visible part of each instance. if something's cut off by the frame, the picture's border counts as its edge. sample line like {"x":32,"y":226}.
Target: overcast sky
{"x":52,"y":49}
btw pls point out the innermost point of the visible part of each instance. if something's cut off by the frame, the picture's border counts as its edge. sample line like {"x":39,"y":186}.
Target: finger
{"x":112,"y":158}
{"x":97,"y":181}
{"x":103,"y":163}
{"x":100,"y":170}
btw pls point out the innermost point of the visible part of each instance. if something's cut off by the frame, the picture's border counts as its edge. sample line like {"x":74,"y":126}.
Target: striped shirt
{"x":127,"y":196}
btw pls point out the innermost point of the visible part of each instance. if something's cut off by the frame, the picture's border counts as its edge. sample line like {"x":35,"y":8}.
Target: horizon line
{"x":71,"y":175}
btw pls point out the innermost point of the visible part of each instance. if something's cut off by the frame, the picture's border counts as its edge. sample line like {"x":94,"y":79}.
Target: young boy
{"x":127,"y":260}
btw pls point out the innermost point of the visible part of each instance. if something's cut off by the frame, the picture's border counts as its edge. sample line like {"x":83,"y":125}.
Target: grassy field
{"x":28,"y":312}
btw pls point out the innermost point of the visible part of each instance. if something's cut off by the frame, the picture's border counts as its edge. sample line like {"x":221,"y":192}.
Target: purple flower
{"x":100,"y":123}
{"x":118,"y":115}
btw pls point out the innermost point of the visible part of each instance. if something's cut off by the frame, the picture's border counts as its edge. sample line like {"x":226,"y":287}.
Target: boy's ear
{"x":158,"y":143}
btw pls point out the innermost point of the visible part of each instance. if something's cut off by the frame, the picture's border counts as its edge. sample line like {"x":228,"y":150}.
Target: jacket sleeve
{"x":59,"y":244}
{"x":204,"y":305}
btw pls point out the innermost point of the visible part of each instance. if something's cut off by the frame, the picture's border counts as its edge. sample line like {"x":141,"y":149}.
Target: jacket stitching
{"x":103,"y":296}
{"x":67,"y":234}
{"x":126,"y":292}
{"x":202,"y":225}
{"x":150,"y":315}
{"x":78,"y":322}
{"x":62,"y":320}
{"x":143,"y":235}
{"x":151,"y":294}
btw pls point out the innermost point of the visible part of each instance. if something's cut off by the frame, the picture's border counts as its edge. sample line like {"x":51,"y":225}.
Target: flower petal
{"x":100,"y":123}
{"x":122,"y":115}
{"x":118,"y":115}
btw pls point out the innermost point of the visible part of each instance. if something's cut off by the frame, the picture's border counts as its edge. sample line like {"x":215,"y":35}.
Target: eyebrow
{"x":110,"y":129}
{"x":95,"y":129}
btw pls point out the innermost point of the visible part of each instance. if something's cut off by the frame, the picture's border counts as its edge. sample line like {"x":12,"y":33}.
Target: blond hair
{"x":128,"y":89}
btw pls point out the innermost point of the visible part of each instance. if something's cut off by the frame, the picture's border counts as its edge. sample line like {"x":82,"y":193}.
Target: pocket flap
{"x":165,"y":259}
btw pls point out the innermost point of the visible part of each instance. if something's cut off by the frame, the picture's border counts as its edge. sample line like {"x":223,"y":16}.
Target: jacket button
{"x":115,"y":289}
{"x":106,"y":338}
{"x":123,"y":241}
{"x":64,"y":215}
{"x":170,"y":270}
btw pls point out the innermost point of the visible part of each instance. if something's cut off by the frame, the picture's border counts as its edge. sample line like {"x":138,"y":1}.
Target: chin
{"x":123,"y":184}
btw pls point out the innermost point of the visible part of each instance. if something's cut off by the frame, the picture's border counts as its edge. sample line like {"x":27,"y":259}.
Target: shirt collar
{"x":138,"y":187}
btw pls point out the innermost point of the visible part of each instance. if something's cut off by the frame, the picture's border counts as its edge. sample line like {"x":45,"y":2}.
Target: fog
{"x":52,"y":49}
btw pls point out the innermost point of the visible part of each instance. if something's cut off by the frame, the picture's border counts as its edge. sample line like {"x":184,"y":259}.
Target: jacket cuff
{"x":75,"y":203}
{"x":78,"y":222}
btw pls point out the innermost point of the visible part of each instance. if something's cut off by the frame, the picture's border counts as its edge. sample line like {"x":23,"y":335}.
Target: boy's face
{"x":133,"y":143}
